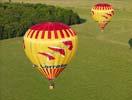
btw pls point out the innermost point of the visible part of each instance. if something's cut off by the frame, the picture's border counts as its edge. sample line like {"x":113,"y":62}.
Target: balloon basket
{"x":102,"y":30}
{"x":51,"y":84}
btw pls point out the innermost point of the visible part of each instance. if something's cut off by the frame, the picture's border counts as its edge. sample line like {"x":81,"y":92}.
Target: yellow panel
{"x":46,"y":35}
{"x":40,"y":34}
{"x":98,"y":15}
{"x":34,"y":46}
{"x":59,"y":34}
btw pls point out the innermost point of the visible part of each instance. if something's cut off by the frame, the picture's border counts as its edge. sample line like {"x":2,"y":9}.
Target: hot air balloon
{"x":102,"y":13}
{"x":50,"y":46}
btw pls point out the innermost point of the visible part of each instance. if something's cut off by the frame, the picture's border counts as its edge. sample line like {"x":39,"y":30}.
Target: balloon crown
{"x":50,"y":30}
{"x":103,"y":6}
{"x":48,"y":26}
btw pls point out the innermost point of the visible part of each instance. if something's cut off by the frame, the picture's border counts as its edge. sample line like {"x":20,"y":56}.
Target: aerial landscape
{"x":101,"y":68}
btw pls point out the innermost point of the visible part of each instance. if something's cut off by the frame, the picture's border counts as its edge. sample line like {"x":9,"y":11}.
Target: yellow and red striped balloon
{"x":102,"y":13}
{"x":50,"y":46}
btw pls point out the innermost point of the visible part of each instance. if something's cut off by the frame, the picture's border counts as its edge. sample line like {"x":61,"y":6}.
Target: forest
{"x":16,"y":18}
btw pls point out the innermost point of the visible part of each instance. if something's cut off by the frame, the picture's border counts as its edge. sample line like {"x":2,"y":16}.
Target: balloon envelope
{"x":50,"y":46}
{"x":102,"y":13}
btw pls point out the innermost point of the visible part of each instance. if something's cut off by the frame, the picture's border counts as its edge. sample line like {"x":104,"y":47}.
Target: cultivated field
{"x":101,"y":70}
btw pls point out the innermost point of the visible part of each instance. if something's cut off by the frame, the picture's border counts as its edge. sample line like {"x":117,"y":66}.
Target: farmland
{"x":101,"y":69}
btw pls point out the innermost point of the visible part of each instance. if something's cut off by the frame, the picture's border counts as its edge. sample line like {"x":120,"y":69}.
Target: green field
{"x":101,"y":69}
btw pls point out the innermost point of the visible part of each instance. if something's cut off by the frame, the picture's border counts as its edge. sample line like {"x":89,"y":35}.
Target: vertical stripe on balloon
{"x":55,"y":72}
{"x":43,"y":33}
{"x":46,"y":69}
{"x":29,"y":33}
{"x":71,"y":32}
{"x":59,"y":71}
{"x":44,"y":72}
{"x":62,"y":34}
{"x":36,"y":35}
{"x":74,"y":33}
{"x":51,"y":73}
{"x":56,"y":35}
{"x":67,"y":34}
{"x":49,"y":34}
{"x":32,"y":33}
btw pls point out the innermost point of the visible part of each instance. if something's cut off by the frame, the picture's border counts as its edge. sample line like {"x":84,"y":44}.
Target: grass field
{"x":101,"y":70}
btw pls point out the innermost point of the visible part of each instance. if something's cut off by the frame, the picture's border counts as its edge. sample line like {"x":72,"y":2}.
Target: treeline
{"x":16,"y":18}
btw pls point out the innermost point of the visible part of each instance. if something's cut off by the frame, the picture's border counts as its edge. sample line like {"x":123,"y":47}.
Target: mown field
{"x":101,"y":69}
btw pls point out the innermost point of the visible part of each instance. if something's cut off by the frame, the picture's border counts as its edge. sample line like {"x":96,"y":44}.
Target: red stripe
{"x":32,"y":34}
{"x":43,"y":72}
{"x":51,"y":74}
{"x":67,"y":34}
{"x":46,"y":69}
{"x":56,"y":35}
{"x":29,"y":33}
{"x":50,"y":57}
{"x":42,"y":36}
{"x":36,"y":36}
{"x":109,"y":14}
{"x":71,"y":32}
{"x":46,"y":73}
{"x":62,"y":34}
{"x":69,"y":44}
{"x":74,"y":32}
{"x":57,"y":73}
{"x":105,"y":17}
{"x":60,"y":50}
{"x":49,"y":34}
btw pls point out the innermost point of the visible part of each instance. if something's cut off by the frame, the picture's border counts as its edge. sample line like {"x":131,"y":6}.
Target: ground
{"x":101,"y":69}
